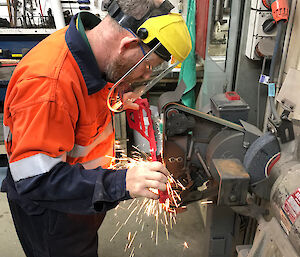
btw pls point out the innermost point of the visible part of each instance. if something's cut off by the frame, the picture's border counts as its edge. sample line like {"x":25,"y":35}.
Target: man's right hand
{"x":146,"y":175}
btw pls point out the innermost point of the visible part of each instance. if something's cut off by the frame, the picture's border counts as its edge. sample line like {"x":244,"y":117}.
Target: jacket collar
{"x":94,"y":79}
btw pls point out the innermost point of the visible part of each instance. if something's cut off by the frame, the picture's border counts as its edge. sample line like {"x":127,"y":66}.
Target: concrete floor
{"x":189,"y":228}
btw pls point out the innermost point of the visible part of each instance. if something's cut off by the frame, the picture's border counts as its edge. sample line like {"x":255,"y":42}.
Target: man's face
{"x":122,"y":63}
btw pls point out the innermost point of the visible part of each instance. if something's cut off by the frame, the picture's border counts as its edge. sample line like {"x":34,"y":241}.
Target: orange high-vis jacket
{"x":55,"y":112}
{"x":49,"y":112}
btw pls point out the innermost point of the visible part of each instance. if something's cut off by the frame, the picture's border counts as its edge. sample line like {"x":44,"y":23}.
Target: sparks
{"x":132,"y":252}
{"x":163,"y":211}
{"x":132,"y":202}
{"x":167,"y":232}
{"x":156,"y":234}
{"x":131,"y":241}
{"x":143,"y":226}
{"x":116,"y":232}
{"x":206,"y":202}
{"x":130,"y":215}
{"x":129,"y":235}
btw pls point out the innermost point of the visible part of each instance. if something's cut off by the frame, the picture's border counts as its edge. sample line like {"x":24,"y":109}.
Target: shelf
{"x":16,"y":31}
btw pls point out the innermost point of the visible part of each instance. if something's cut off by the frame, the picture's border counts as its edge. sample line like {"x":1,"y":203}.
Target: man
{"x":59,"y":133}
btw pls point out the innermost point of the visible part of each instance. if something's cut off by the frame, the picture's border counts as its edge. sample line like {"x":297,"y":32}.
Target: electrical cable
{"x":280,"y":28}
{"x":258,"y":92}
{"x":276,"y":49}
{"x":283,"y":61}
{"x":286,"y":43}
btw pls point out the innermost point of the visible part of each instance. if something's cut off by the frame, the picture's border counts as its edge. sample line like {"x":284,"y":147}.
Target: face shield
{"x":117,"y":99}
{"x":164,"y":33}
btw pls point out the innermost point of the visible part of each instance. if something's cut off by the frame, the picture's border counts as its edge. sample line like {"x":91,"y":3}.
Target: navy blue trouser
{"x":56,"y":234}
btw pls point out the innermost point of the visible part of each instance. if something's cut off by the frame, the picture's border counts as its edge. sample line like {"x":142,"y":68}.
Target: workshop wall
{"x":293,"y":58}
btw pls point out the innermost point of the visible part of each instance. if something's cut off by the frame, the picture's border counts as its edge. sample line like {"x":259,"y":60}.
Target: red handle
{"x":135,"y":120}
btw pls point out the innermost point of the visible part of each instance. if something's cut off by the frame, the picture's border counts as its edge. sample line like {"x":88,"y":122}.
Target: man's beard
{"x":116,"y":69}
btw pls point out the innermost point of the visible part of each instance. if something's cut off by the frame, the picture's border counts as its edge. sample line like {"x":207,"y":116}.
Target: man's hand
{"x":128,"y":104}
{"x":146,"y":175}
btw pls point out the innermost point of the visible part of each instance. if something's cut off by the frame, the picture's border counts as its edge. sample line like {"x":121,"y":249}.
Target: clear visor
{"x":116,"y":100}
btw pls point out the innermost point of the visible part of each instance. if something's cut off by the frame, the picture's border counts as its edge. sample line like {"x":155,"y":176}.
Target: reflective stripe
{"x":93,"y":164}
{"x":102,"y":161}
{"x":7,"y":133}
{"x":34,"y":165}
{"x":81,"y":151}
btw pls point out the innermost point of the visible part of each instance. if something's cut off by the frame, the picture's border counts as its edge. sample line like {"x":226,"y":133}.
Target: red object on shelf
{"x":232,"y":95}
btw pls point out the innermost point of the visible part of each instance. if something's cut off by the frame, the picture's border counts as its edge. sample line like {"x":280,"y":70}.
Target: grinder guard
{"x":206,"y":154}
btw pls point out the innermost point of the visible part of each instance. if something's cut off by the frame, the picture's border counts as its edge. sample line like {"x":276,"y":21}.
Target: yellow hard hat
{"x":171,"y":31}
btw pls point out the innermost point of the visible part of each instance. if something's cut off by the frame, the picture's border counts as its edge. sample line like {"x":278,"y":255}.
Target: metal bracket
{"x":285,"y":131}
{"x":251,"y":133}
{"x":233,"y":182}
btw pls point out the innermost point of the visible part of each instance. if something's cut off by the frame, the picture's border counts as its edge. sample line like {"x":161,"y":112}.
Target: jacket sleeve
{"x":43,"y":126}
{"x":73,"y":189}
